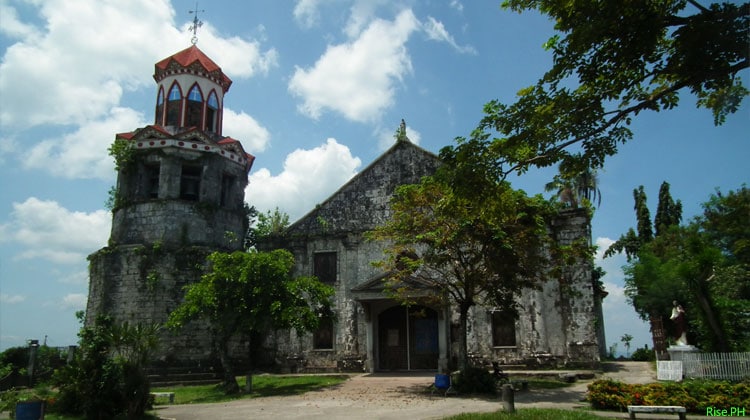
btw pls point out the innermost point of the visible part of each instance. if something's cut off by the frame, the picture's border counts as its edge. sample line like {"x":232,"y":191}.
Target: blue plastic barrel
{"x":442,"y":381}
{"x":30,"y":410}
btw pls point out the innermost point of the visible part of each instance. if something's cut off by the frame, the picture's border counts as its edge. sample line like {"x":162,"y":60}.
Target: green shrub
{"x":693,"y":395}
{"x":643,"y":355}
{"x":106,"y":377}
{"x":474,"y":381}
{"x":610,"y":395}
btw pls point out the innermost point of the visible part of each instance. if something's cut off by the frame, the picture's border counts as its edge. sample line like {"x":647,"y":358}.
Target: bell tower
{"x":179,"y":196}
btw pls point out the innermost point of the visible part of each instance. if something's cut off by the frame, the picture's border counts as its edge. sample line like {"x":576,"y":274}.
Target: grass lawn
{"x":263,"y":386}
{"x":528,"y":414}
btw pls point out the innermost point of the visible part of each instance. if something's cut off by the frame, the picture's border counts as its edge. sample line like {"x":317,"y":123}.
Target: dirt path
{"x":384,"y":396}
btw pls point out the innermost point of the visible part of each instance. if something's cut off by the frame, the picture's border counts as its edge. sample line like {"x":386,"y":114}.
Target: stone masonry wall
{"x":141,"y":284}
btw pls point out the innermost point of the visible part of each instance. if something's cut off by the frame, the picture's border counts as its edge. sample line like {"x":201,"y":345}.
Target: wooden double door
{"x":408,"y":338}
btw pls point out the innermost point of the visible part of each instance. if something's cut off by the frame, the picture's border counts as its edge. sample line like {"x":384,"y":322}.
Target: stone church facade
{"x":372,"y":332}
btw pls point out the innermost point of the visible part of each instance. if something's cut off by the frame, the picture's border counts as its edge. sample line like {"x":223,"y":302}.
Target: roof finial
{"x":196,"y":24}
{"x":401,"y":133}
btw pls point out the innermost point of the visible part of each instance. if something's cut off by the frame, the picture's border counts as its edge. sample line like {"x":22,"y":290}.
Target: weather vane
{"x":196,"y":24}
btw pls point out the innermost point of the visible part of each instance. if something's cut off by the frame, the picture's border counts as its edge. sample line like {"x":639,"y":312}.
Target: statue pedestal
{"x":677,"y":357}
{"x":676,"y":352}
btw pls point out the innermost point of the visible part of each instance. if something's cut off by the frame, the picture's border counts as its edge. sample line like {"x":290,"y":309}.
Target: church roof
{"x":375,"y":287}
{"x":364,"y":201}
{"x":191,"y":59}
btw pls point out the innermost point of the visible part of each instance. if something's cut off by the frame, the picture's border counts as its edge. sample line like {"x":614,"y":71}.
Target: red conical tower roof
{"x":191,"y":60}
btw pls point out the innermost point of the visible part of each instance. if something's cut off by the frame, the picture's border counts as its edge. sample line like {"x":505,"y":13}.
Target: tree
{"x":724,"y":224}
{"x":250,"y":294}
{"x":668,"y":213}
{"x":725,"y":219}
{"x":262,"y":226}
{"x":271,"y":223}
{"x":470,"y":238}
{"x":576,"y":189}
{"x":611,"y":61}
{"x":678,"y":265}
{"x":699,"y":264}
{"x":626,"y":339}
{"x":646,"y":286}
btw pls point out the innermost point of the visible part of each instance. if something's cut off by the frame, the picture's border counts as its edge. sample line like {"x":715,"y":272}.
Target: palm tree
{"x":586,"y":184}
{"x":572,"y":189}
{"x":566,"y":193}
{"x":626,"y":339}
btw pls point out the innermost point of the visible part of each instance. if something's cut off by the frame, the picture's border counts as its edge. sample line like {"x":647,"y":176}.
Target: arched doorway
{"x":408,"y":338}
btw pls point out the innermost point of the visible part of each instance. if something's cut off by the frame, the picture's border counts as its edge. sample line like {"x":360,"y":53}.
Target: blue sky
{"x":320,"y":86}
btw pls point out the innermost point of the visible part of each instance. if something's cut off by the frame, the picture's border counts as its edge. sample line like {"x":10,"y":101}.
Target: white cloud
{"x":362,"y":13}
{"x":308,"y":177}
{"x":306,"y":13}
{"x":12,"y":26}
{"x":46,"y":230}
{"x":357,"y":78}
{"x":457,"y":5}
{"x":11,"y":299}
{"x":77,"y":277}
{"x":243,"y":127}
{"x":436,"y":31}
{"x":82,"y":60}
{"x":236,"y":57}
{"x":76,"y":301}
{"x":83,"y":153}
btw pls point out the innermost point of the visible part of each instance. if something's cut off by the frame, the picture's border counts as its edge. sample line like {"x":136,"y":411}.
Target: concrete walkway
{"x":401,"y":396}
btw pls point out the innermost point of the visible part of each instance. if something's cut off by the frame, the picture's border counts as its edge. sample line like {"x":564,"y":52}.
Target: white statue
{"x":678,"y":316}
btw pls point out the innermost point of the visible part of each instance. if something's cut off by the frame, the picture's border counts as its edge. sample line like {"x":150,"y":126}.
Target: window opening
{"x":159,"y":117}
{"x":212,"y":109}
{"x":226,"y":189}
{"x":503,"y":329}
{"x":194,"y":107}
{"x":152,"y":181}
{"x":190,"y":183}
{"x":325,"y":267}
{"x":323,"y":335}
{"x":174,"y":106}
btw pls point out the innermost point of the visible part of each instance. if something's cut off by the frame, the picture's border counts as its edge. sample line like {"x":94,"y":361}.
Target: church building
{"x":372,"y":332}
{"x":180,"y":196}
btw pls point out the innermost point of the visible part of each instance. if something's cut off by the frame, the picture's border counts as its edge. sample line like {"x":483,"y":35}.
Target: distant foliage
{"x":643,"y":355}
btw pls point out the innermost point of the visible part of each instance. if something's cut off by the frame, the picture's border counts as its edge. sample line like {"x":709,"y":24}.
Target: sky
{"x":320,"y":87}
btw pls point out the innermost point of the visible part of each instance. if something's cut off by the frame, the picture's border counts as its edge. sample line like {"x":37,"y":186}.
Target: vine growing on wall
{"x":123,"y":152}
{"x":115,"y":200}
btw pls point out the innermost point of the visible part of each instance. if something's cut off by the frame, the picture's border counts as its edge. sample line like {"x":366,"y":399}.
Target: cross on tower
{"x":196,"y":23}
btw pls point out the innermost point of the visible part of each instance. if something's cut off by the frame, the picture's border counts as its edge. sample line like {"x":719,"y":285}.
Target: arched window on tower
{"x":212,"y":111}
{"x":174,"y":105}
{"x":159,"y":117}
{"x":194,"y":107}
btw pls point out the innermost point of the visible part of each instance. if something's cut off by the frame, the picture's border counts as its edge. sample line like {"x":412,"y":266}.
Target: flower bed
{"x":695,"y":396}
